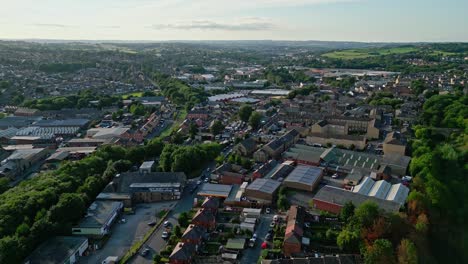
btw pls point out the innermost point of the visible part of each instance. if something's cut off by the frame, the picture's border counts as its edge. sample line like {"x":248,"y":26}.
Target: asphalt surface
{"x":156,"y":243}
{"x":125,"y":234}
{"x":251,"y":255}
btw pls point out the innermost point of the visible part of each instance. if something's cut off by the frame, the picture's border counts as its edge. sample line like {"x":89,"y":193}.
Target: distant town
{"x":231,"y":153}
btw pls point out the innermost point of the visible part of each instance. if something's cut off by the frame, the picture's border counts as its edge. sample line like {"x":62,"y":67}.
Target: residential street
{"x":156,"y":243}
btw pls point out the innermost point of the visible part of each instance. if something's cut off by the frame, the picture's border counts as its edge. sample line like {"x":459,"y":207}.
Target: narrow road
{"x":155,"y":243}
{"x":251,"y":255}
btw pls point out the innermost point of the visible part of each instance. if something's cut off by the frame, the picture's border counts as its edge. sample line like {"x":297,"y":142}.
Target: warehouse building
{"x":304,"y":178}
{"x":59,"y":250}
{"x":148,"y":187}
{"x":215,"y":190}
{"x":262,"y":190}
{"x":99,"y":219}
{"x":382,"y":190}
{"x":332,"y":199}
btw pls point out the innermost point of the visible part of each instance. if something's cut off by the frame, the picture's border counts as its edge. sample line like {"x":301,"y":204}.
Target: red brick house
{"x":198,"y":114}
{"x":183,"y":253}
{"x":205,"y":218}
{"x":211,"y":204}
{"x":228,"y":177}
{"x":294,"y":230}
{"x":193,"y":235}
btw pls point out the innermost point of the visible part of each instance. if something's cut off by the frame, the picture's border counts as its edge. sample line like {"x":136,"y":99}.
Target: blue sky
{"x":349,"y":20}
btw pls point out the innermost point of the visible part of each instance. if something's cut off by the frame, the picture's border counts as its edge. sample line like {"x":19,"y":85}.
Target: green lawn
{"x":371,"y":52}
{"x":365,"y":53}
{"x":135,"y":94}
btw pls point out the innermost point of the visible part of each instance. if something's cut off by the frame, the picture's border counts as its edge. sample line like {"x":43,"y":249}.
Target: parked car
{"x":275,"y":218}
{"x":152,"y":223}
{"x":268,"y":210}
{"x":167,"y":224}
{"x":252,"y":242}
{"x":144,"y":252}
{"x":272,"y":224}
{"x":268,"y":237}
{"x":335,"y":176}
{"x":165,"y":235}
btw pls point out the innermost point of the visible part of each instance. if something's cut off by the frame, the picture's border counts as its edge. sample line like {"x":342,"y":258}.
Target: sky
{"x":158,"y":20}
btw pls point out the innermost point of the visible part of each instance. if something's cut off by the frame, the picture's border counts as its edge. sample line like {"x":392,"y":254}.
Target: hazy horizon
{"x":210,"y":20}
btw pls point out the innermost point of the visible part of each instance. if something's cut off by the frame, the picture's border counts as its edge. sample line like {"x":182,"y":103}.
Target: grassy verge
{"x":137,"y":245}
{"x":182,"y":114}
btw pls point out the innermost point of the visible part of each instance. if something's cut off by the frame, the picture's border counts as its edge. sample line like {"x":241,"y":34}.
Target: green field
{"x":365,"y":53}
{"x":135,"y":94}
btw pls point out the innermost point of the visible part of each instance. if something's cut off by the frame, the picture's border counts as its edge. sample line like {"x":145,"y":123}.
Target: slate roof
{"x":56,"y":250}
{"x":182,"y":251}
{"x":264,"y":185}
{"x":194,"y":232}
{"x":340,"y":196}
{"x":307,"y":175}
{"x":210,"y":203}
{"x":122,"y":183}
{"x":203,"y":216}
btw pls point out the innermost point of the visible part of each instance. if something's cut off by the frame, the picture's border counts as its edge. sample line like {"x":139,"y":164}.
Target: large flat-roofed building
{"x":148,"y":187}
{"x":215,"y":190}
{"x":99,"y":219}
{"x":382,"y":190}
{"x":262,"y":190}
{"x":332,"y":199}
{"x":59,"y":250}
{"x":81,"y":123}
{"x":304,"y":154}
{"x":304,"y":178}
{"x":20,"y":160}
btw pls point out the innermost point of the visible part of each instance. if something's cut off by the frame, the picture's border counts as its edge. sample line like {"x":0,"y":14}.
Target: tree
{"x":193,"y":130}
{"x":157,"y":259}
{"x":366,"y":213}
{"x":177,"y":231}
{"x":69,"y":208}
{"x":244,"y":112}
{"x":407,"y":253}
{"x":183,"y":219}
{"x":255,"y":120}
{"x":283,"y":202}
{"x":347,"y":211}
{"x":422,"y":224}
{"x":348,"y":240}
{"x":381,"y":252}
{"x":4,"y":184}
{"x":153,"y":148}
{"x":217,"y":127}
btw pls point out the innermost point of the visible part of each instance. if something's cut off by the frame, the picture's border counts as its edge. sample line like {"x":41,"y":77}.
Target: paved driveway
{"x":125,"y":234}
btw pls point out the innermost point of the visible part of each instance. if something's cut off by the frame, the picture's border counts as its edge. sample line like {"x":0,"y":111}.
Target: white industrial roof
{"x":364,"y":187}
{"x":380,"y":189}
{"x":398,"y":193}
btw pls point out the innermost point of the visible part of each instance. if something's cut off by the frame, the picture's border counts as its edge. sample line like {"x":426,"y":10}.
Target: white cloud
{"x":245,"y":24}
